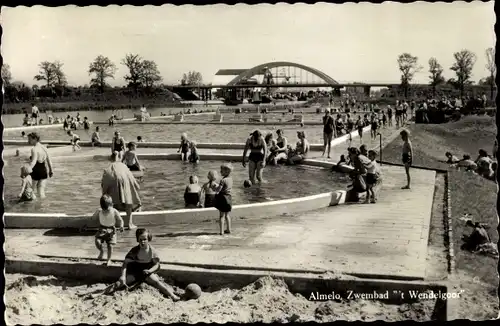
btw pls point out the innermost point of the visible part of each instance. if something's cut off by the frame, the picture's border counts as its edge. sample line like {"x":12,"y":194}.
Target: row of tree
{"x":463,"y":65}
{"x":142,"y":74}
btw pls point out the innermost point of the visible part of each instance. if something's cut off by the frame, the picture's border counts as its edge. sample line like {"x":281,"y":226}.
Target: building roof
{"x":232,"y":72}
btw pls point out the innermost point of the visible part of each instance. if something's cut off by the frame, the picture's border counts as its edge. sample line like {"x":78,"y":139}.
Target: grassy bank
{"x":476,"y":274}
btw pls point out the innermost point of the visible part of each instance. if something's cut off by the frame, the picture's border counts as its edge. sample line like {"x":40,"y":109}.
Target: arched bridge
{"x":282,"y":72}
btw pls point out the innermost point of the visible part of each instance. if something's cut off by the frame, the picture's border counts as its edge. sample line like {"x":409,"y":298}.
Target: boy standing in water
{"x":407,"y":155}
{"x":108,"y":218}
{"x":223,"y":201}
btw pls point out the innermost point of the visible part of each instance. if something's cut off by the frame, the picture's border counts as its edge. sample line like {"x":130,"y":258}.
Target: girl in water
{"x":108,"y":218}
{"x":118,"y":144}
{"x":223,"y":200}
{"x":192,"y":194}
{"x":282,"y":144}
{"x":184,"y":147}
{"x":75,"y":140}
{"x":130,"y":158}
{"x":208,"y":190}
{"x":193,"y":153}
{"x":26,"y":193}
{"x":301,"y":150}
{"x":258,"y":153}
{"x":272,"y":149}
{"x":95,"y":139}
{"x":40,"y":164}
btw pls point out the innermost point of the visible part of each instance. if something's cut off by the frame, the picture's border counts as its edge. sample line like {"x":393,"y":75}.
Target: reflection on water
{"x":75,"y":187}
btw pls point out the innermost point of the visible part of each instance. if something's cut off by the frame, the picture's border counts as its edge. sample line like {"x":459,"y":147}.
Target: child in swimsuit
{"x":141,"y":265}
{"x":372,"y":177}
{"x":223,"y":199}
{"x":193,"y":153}
{"x":118,"y":144}
{"x":86,"y":123}
{"x":407,"y":155}
{"x":139,"y":139}
{"x":26,"y":193}
{"x":207,"y":189}
{"x":75,"y":140}
{"x":108,"y":219}
{"x":184,"y":147}
{"x":192,"y":194}
{"x":130,"y":158}
{"x":23,"y":134}
{"x":96,"y":140}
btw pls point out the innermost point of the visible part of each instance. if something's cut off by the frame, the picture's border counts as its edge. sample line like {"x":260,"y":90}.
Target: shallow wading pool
{"x":75,"y":187}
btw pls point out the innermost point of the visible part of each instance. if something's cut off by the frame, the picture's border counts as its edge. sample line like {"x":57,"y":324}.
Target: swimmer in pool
{"x":139,"y":139}
{"x":23,"y":134}
{"x":118,"y":144}
{"x":75,"y":140}
{"x":207,"y":189}
{"x":192,"y":194}
{"x":130,"y":158}
{"x":26,"y":193}
{"x":95,"y":139}
{"x":258,"y":153}
{"x":193,"y":153}
{"x":184,"y":147}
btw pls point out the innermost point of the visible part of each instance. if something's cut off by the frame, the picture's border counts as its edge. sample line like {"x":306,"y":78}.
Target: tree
{"x":192,"y":78}
{"x":6,"y":75}
{"x":102,"y":68}
{"x":60,"y":77}
{"x":436,"y":74}
{"x":47,"y":73}
{"x":134,"y":64}
{"x":492,"y":69}
{"x":150,"y":75}
{"x":464,"y":62}
{"x":408,"y":65}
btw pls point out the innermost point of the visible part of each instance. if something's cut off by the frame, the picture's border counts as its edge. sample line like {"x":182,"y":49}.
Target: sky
{"x":348,"y":42}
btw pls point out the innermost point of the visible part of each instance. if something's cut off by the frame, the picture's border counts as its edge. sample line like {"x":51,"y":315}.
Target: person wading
{"x":256,"y":160}
{"x":40,"y":164}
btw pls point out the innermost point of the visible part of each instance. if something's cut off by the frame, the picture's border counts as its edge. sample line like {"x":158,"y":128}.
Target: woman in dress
{"x":40,"y":164}
{"x":119,"y":183}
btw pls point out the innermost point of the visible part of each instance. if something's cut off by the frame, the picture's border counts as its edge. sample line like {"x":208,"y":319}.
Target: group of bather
{"x":484,"y":165}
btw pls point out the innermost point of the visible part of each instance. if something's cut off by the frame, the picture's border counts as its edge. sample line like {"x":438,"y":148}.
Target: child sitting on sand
{"x":26,"y":193}
{"x":192,"y":193}
{"x":208,"y":190}
{"x":184,"y":147}
{"x":108,"y":218}
{"x":193,"y":153}
{"x":223,"y":200}
{"x":372,"y":177}
{"x":75,"y":140}
{"x":141,"y":265}
{"x":130,"y":158}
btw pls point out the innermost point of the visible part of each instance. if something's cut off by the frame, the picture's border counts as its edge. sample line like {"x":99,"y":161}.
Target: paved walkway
{"x":388,"y":238}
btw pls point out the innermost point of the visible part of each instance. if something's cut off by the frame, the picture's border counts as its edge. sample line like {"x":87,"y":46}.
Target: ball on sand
{"x":247,"y":183}
{"x":193,"y":291}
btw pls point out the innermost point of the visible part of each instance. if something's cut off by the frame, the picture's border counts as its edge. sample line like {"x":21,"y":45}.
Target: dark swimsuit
{"x":209,"y":200}
{"x":194,"y":157}
{"x":185,"y":147}
{"x":407,"y":159}
{"x":86,"y":126}
{"x":191,"y":199}
{"x":39,"y":171}
{"x":136,"y":268}
{"x":256,"y":156}
{"x":118,"y":145}
{"x":223,"y":200}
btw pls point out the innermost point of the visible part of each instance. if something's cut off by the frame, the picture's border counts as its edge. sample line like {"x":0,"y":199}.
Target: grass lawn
{"x":476,"y":274}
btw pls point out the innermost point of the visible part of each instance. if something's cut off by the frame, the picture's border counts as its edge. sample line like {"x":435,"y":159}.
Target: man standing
{"x":328,"y":132}
{"x":34,"y":114}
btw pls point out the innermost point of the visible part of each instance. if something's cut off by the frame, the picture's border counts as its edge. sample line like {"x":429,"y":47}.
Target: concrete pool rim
{"x":166,"y":217}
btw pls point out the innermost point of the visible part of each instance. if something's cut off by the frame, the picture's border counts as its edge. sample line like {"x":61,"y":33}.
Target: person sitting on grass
{"x":483,"y":162}
{"x":192,"y":194}
{"x":451,"y":159}
{"x":141,"y":265}
{"x":467,"y":164}
{"x":108,"y":218}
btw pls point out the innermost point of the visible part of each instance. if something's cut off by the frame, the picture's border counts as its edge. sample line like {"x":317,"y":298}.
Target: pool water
{"x":209,"y":133}
{"x":75,"y":188}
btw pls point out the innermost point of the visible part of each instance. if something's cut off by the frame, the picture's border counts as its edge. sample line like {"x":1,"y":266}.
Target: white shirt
{"x":109,"y":218}
{"x":372,"y":168}
{"x":34,"y":109}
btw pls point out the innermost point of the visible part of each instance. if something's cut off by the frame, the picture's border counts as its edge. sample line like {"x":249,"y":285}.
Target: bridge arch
{"x":257,"y":69}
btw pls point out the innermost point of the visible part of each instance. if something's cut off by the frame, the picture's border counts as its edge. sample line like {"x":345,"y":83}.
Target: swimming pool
{"x":75,"y":187}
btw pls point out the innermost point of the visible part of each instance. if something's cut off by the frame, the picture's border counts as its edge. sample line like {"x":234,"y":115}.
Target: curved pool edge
{"x":179,"y":216}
